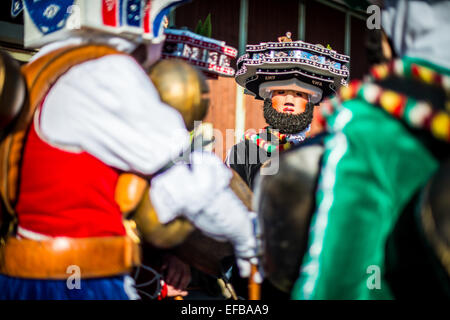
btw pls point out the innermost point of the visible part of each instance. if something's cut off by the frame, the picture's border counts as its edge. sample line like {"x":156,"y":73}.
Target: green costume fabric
{"x":372,"y":166}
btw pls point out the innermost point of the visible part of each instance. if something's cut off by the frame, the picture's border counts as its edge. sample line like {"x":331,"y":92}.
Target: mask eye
{"x":302,"y":95}
{"x":280,"y":92}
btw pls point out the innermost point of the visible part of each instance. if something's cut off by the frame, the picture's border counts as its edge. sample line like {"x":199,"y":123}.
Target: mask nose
{"x":289,"y":98}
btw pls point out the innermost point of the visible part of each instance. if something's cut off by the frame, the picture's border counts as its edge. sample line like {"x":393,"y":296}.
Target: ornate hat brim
{"x":311,"y":64}
{"x":212,"y":56}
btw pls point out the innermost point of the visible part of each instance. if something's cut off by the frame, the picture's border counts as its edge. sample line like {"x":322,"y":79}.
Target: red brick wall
{"x":222,"y":108}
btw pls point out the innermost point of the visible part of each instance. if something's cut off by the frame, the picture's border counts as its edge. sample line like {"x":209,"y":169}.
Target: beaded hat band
{"x":311,"y":65}
{"x":211,"y":56}
{"x":415,"y":113}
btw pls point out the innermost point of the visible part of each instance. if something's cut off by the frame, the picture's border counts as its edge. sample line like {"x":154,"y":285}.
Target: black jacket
{"x":246,"y":158}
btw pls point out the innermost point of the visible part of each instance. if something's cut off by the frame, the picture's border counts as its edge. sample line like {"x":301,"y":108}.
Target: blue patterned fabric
{"x":133,"y":12}
{"x":112,"y":288}
{"x":49,"y":15}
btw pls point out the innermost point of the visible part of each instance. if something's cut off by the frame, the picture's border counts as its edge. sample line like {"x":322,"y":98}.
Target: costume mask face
{"x":286,"y":122}
{"x":289,"y":101}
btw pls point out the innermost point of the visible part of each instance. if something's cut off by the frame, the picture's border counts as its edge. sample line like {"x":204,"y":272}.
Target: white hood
{"x":419,"y":29}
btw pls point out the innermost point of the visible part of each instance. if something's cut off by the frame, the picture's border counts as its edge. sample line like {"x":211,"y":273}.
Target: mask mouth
{"x":288,"y":109}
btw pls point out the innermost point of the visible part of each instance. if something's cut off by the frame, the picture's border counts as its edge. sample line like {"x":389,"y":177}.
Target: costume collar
{"x":299,"y":136}
{"x":281,"y":141}
{"x":416,"y":114}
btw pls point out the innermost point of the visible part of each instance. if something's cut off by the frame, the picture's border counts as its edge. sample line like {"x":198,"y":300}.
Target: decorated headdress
{"x":211,"y":56}
{"x":291,"y":65}
{"x":140,"y":21}
{"x":186,"y":55}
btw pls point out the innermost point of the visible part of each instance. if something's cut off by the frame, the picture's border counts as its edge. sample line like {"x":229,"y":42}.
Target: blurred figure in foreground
{"x":380,"y":228}
{"x":93,"y":115}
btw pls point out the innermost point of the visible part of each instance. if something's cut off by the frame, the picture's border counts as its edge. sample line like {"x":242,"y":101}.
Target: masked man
{"x":370,"y":237}
{"x":291,"y":78}
{"x":93,"y":114}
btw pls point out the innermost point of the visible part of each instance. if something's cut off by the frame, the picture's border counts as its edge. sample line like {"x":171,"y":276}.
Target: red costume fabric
{"x":66,"y":193}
